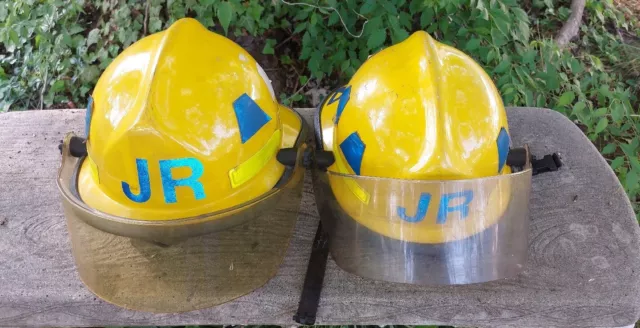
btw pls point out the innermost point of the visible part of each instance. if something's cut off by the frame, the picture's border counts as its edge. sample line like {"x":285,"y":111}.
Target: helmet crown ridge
{"x":422,"y":110}
{"x":173,"y":119}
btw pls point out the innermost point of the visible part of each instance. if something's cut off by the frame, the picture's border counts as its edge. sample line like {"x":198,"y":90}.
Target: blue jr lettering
{"x":143,"y":181}
{"x":444,"y":207}
{"x":421,"y":212}
{"x":169,"y":184}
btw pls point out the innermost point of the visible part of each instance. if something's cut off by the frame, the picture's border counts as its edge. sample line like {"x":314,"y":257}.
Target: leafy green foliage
{"x":54,"y":51}
{"x":41,"y":60}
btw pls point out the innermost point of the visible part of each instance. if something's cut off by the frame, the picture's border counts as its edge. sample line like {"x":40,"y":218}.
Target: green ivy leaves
{"x":93,"y":36}
{"x":566,"y":99}
{"x":225,"y":13}
{"x":268,"y":47}
{"x":376,"y":39}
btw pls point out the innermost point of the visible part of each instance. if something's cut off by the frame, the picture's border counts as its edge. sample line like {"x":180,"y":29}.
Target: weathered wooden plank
{"x":583,"y":268}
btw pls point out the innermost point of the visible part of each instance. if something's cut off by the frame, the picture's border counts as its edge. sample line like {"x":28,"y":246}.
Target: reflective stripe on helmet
{"x":247,"y":170}
{"x":355,"y":188}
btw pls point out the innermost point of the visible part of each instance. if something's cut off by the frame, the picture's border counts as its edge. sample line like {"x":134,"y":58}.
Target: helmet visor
{"x":180,"y":265}
{"x":426,"y":232}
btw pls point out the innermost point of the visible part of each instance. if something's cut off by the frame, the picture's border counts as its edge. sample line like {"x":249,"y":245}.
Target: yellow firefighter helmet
{"x":419,"y":138}
{"x":182,"y":135}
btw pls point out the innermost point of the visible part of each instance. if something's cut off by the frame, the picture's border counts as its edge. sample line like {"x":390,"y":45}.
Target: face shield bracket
{"x":518,"y":158}
{"x":289,"y":156}
{"x":321,"y":159}
{"x":77,"y":146}
{"x":324,"y":159}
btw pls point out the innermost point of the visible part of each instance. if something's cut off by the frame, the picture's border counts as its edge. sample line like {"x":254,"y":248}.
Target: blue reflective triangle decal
{"x":353,"y":150}
{"x":504,"y":142}
{"x":344,"y":95}
{"x":250,"y":117}
{"x":87,"y":117}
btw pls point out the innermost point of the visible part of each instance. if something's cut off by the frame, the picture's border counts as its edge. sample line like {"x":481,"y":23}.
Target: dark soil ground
{"x":632,"y":7}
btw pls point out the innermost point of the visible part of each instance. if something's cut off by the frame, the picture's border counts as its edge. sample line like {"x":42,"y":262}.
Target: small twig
{"x":632,"y":116}
{"x":628,"y":115}
{"x":44,"y":85}
{"x":297,"y":84}
{"x":295,"y":70}
{"x":284,"y":41}
{"x":146,"y":17}
{"x":334,"y":9}
{"x":300,"y":89}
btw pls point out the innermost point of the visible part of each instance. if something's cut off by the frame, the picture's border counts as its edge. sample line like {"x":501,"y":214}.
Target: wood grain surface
{"x":583,"y":268}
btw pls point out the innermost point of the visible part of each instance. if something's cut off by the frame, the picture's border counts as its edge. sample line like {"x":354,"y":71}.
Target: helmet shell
{"x":183,"y":122}
{"x":418,"y":110}
{"x":413,"y":135}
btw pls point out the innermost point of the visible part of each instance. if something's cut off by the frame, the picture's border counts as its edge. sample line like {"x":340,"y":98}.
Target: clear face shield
{"x":185,"y":264}
{"x":426,"y":232}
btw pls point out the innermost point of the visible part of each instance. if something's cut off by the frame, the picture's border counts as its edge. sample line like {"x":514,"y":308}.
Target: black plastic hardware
{"x":77,"y":147}
{"x":548,"y":163}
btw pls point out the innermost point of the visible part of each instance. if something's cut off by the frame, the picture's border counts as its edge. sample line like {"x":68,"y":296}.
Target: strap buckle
{"x":548,"y":163}
{"x":520,"y":158}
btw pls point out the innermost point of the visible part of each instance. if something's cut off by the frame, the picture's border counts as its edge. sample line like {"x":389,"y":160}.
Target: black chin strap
{"x":310,"y":297}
